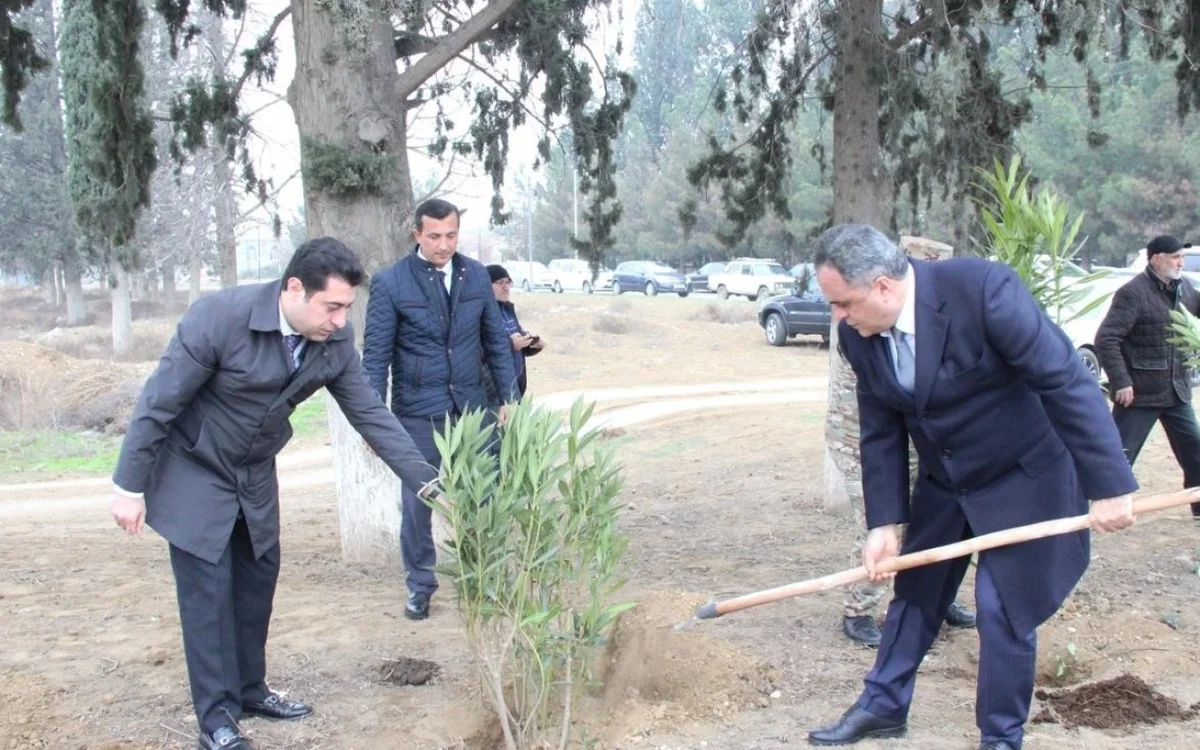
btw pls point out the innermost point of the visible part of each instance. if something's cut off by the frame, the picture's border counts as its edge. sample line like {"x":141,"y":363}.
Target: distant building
{"x":261,"y":257}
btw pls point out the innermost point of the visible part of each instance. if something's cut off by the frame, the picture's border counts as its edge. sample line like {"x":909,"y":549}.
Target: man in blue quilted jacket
{"x":428,"y":316}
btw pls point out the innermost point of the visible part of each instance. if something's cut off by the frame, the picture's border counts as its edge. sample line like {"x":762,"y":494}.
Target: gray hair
{"x":860,"y":254}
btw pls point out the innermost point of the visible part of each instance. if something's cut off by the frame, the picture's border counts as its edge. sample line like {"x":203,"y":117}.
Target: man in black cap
{"x":524,"y":343}
{"x":1147,"y":376}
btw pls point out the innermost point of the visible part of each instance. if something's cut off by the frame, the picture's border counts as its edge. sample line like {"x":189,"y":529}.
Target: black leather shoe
{"x":958,"y":616}
{"x":417,"y":607}
{"x":862,"y":630}
{"x":996,"y":745}
{"x":856,"y":724}
{"x":275,"y":706}
{"x":225,"y":738}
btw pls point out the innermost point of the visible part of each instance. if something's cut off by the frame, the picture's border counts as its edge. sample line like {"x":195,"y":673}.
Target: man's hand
{"x":882,"y":543}
{"x":1124,"y":396}
{"x":1112,"y":514}
{"x":502,"y":414}
{"x":520,"y":341}
{"x":129,"y":512}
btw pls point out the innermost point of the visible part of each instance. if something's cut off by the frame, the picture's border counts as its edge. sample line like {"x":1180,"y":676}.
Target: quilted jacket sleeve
{"x":379,"y":334}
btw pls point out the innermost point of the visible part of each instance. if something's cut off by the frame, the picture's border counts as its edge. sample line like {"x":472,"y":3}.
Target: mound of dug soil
{"x":1111,"y":704}
{"x":406,"y":671}
{"x":655,"y":680}
{"x":654,"y":676}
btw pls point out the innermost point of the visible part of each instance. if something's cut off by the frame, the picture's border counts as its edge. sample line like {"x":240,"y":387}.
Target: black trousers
{"x":1183,"y":433}
{"x":225,"y":611}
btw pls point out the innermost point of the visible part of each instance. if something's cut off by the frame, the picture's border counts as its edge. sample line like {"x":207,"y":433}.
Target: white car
{"x":756,"y":278}
{"x":576,"y":274}
{"x":528,"y":275}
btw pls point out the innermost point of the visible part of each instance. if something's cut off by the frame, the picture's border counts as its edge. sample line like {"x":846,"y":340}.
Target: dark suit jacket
{"x":433,"y":349}
{"x":1009,"y":426}
{"x":202,"y":440}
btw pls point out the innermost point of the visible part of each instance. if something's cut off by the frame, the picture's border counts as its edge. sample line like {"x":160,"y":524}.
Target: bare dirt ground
{"x":721,"y":500}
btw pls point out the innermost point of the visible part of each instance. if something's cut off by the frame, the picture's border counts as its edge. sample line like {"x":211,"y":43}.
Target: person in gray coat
{"x":198,"y":464}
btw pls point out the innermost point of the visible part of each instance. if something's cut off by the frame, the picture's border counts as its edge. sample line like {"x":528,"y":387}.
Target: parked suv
{"x":755,"y":278}
{"x":576,"y":274}
{"x":648,"y":276}
{"x":785,"y":316}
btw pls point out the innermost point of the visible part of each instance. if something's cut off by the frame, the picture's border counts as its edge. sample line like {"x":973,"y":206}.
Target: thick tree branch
{"x":939,"y":15}
{"x":453,"y":44}
{"x":274,"y":27}
{"x":408,"y":44}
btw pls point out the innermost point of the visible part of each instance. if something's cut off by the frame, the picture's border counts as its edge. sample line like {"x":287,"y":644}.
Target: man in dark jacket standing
{"x":198,"y":464}
{"x":524,"y":343}
{"x":428,"y":317}
{"x":1147,"y":375}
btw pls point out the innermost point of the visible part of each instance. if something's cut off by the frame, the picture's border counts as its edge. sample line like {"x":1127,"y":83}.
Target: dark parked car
{"x":649,"y":277}
{"x":793,"y":314}
{"x":698,"y":280}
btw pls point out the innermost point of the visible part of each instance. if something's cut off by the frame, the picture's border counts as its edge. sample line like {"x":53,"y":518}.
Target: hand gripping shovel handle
{"x":966,"y":547}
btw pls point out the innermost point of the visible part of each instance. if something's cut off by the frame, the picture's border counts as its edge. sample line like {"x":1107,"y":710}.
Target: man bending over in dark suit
{"x":198,"y":464}
{"x":1010,"y":429}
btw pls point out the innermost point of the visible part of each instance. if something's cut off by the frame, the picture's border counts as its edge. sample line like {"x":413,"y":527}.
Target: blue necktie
{"x":293,"y":342}
{"x":905,"y":367}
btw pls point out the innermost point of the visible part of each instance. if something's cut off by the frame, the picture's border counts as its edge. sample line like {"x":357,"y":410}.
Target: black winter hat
{"x":1164,"y":243}
{"x":498,"y":273}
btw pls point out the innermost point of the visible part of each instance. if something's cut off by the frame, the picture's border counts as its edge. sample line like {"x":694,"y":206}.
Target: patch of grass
{"x":49,"y":452}
{"x":677,"y":447}
{"x":53,"y":452}
{"x":310,"y":420}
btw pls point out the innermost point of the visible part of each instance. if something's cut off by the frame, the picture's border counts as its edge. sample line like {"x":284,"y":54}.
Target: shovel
{"x":1141,"y":505}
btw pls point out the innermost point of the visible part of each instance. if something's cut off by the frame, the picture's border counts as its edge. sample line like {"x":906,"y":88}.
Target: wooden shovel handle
{"x":939,"y":554}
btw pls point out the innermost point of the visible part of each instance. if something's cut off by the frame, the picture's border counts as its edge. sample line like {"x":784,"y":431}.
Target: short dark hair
{"x":436,"y":208}
{"x":317,"y":260}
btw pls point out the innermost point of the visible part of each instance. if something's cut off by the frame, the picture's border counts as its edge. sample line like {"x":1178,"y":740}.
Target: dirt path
{"x":306,"y":468}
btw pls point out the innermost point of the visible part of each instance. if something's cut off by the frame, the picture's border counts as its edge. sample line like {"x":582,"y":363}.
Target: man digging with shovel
{"x":1010,"y":429}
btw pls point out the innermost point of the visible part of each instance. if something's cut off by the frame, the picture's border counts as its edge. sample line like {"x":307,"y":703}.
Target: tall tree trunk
{"x":348,"y":100}
{"x":73,"y":280}
{"x":60,"y":283}
{"x":195,"y":272}
{"x":49,"y":287}
{"x":861,"y":194}
{"x":226,"y":219}
{"x":122,"y":310}
{"x":225,"y":204}
{"x":168,"y":280}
